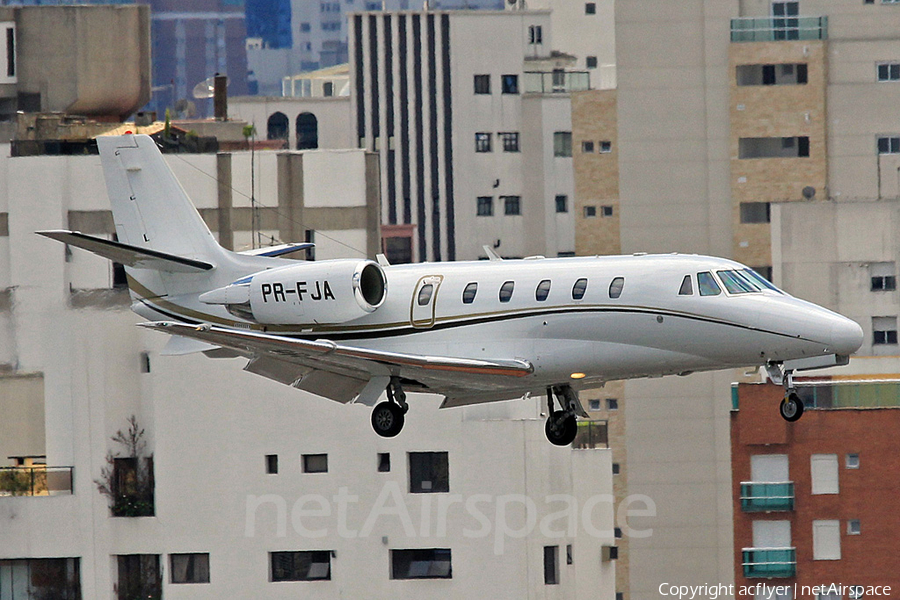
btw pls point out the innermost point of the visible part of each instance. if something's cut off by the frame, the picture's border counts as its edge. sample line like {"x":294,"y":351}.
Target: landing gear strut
{"x":562,"y":427}
{"x":388,"y":417}
{"x":791,"y":407}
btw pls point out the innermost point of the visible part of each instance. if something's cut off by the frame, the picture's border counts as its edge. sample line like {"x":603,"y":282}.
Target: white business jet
{"x":474,"y":332}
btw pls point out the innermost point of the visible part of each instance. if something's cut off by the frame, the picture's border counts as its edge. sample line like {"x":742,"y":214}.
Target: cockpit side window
{"x":760,"y":280}
{"x":737,"y":283}
{"x":615,"y":288}
{"x":687,"y":288}
{"x":707,"y":284}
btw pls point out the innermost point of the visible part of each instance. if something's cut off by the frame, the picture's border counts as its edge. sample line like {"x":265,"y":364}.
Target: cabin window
{"x":687,"y":288}
{"x":615,"y":288}
{"x":707,"y":284}
{"x":425,"y":294}
{"x":506,"y":291}
{"x":542,"y":291}
{"x":468,"y":296}
{"x":737,"y":283}
{"x":579,"y":289}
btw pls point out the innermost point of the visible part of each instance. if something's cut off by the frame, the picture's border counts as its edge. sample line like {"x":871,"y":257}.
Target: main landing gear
{"x":388,"y":417}
{"x":562,"y":427}
{"x":791,"y":407}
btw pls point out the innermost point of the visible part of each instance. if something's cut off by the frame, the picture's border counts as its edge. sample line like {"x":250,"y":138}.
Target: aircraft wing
{"x":344,"y":373}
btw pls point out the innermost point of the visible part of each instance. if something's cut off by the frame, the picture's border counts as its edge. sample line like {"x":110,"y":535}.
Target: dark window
{"x":425,"y":294}
{"x":510,"y":141}
{"x":398,"y":249}
{"x":884,"y":330}
{"x":421,"y":563}
{"x":612,"y":404}
{"x":482,"y":84}
{"x":509,"y":84}
{"x":707,"y":284}
{"x":590,"y":62}
{"x":569,"y":557}
{"x":133,"y":487}
{"x":139,"y":576}
{"x":587,"y":146}
{"x":579,"y":289}
{"x":535,"y":34}
{"x":605,"y":147}
{"x":542,"y":291}
{"x":10,"y":52}
{"x":315,"y":463}
{"x":40,"y":579}
{"x":889,"y":72}
{"x":687,"y":288}
{"x":512,"y":205}
{"x":277,"y":127}
{"x":482,"y":142}
{"x":562,"y":203}
{"x":506,"y":291}
{"x":889,"y":145}
{"x":755,"y":212}
{"x":615,"y":468}
{"x":485,"y":206}
{"x":304,"y":27}
{"x":272,"y":464}
{"x":551,"y":565}
{"x":468,"y":295}
{"x":307,"y":131}
{"x":309,"y":565}
{"x":384,"y":462}
{"x":606,"y":211}
{"x":780,"y":74}
{"x":120,"y":278}
{"x":615,"y":287}
{"x":618,"y":533}
{"x":145,"y":362}
{"x":590,"y":211}
{"x":189,"y":568}
{"x":429,"y":472}
{"x":884,"y":283}
{"x":773,"y":147}
{"x":562,"y":143}
{"x":590,"y":8}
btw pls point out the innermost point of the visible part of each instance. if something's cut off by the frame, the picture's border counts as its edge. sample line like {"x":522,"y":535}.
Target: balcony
{"x":773,"y":29}
{"x":767,"y":497}
{"x":36,"y":481}
{"x":555,"y":82}
{"x":769,"y":562}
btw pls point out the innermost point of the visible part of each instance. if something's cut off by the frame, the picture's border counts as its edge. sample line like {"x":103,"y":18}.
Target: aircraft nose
{"x":846,"y":336}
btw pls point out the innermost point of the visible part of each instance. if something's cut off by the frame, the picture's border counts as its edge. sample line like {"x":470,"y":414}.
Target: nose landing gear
{"x":791,"y":407}
{"x":562,"y":426}
{"x":388,"y":417}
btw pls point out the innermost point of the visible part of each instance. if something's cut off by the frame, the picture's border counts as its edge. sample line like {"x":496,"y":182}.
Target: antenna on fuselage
{"x":490,"y":253}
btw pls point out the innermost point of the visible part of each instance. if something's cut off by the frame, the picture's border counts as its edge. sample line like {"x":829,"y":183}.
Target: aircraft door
{"x":422,"y":303}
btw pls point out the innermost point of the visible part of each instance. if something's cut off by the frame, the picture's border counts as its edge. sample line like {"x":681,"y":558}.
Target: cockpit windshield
{"x":760,"y":280}
{"x":738,"y":282}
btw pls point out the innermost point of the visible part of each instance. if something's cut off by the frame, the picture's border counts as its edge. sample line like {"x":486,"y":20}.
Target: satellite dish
{"x":808,"y":192}
{"x":206,"y":88}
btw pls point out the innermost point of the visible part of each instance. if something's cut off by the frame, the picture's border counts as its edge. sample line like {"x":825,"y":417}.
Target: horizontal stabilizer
{"x":130,"y":256}
{"x":280,"y":250}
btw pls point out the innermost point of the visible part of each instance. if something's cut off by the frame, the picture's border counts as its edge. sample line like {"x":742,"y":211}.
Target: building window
{"x":542,"y":290}
{"x":485,"y":206}
{"x":606,"y":211}
{"x":468,"y":295}
{"x":889,"y":145}
{"x":10,"y":52}
{"x":562,"y":143}
{"x":587,"y":146}
{"x":852,"y":461}
{"x":482,"y":84}
{"x":616,"y":468}
{"x":506,"y":291}
{"x":562,"y":203}
{"x":189,"y":568}
{"x":315,"y":463}
{"x":824,"y":473}
{"x":139,"y":576}
{"x":884,"y":330}
{"x":551,"y":565}
{"x":509,"y":84}
{"x":421,"y":563}
{"x":40,"y":578}
{"x":780,"y":74}
{"x":616,"y":286}
{"x":510,"y":141}
{"x":594,"y":404}
{"x":590,"y":62}
{"x":755,"y":212}
{"x":773,"y":147}
{"x":882,"y":277}
{"x":579,"y":289}
{"x":889,"y":71}
{"x":617,"y":532}
{"x":512,"y":205}
{"x":605,"y":147}
{"x":612,"y":404}
{"x":590,"y":211}
{"x":304,"y":27}
{"x":306,"y":565}
{"x":384,"y":462}
{"x":826,"y":540}
{"x":272,"y":464}
{"x":145,"y":362}
{"x":429,"y":472}
{"x":482,"y":142}
{"x":590,"y":8}
{"x":535,"y":34}
{"x":853,"y":527}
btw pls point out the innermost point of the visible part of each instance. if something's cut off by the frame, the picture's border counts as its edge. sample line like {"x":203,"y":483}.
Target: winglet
{"x":490,"y":253}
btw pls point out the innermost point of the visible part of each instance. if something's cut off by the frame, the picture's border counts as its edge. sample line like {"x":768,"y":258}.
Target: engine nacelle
{"x":327,"y":292}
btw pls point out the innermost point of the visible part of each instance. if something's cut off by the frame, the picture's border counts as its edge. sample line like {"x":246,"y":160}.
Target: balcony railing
{"x":760,"y":497}
{"x":556,"y":82}
{"x":36,"y":481}
{"x":769,"y":562}
{"x":771,"y":29}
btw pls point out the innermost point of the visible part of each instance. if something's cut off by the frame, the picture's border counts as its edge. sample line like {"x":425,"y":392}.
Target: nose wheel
{"x":562,"y":425}
{"x":388,"y":417}
{"x":791,"y":407}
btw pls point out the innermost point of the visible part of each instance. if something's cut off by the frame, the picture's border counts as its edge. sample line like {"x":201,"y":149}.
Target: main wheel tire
{"x":561,"y":428}
{"x":791,"y":408}
{"x":387,"y":419}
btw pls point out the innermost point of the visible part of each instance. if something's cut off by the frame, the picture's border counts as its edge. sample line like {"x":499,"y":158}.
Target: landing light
{"x":577,"y":375}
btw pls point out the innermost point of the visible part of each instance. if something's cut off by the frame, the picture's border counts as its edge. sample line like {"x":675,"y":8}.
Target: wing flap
{"x":128,"y":255}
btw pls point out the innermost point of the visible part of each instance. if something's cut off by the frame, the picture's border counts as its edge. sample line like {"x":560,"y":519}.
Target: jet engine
{"x":327,"y":292}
